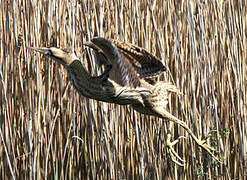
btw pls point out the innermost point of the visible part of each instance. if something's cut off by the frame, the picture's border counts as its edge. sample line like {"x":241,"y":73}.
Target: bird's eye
{"x":48,"y":52}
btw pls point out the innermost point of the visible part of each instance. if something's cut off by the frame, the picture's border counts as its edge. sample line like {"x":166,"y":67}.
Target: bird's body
{"x":129,"y":79}
{"x":136,"y":68}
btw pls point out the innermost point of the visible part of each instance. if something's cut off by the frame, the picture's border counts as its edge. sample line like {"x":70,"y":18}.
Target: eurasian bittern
{"x":129,"y":79}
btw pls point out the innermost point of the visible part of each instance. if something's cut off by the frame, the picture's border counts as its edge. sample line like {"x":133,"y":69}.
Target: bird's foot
{"x":173,"y":154}
{"x":210,"y":150}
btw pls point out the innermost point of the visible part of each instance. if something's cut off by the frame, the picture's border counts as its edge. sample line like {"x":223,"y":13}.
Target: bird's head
{"x":60,"y":56}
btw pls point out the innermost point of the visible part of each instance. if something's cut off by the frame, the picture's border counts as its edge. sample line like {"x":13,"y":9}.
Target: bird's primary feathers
{"x":130,"y":63}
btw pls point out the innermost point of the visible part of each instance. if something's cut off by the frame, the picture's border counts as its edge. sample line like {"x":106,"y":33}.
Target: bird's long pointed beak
{"x":56,"y":54}
{"x":42,"y":50}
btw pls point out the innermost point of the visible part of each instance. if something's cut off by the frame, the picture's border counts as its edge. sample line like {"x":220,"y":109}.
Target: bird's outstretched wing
{"x":146,"y":64}
{"x":130,"y":63}
{"x":106,"y":53}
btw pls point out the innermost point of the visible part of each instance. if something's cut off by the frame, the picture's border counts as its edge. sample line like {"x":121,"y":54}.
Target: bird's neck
{"x":76,"y":68}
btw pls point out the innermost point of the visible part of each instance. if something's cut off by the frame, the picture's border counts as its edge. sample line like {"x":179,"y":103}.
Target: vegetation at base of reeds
{"x":48,"y":131}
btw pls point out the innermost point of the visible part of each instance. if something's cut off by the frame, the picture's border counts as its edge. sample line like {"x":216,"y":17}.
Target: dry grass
{"x":48,"y":131}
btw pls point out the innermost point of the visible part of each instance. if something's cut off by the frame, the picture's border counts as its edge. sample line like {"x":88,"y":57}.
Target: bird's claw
{"x":173,"y":154}
{"x":202,"y":143}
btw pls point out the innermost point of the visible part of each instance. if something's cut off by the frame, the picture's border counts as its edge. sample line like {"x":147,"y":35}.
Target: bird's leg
{"x":199,"y":141}
{"x":169,"y":145}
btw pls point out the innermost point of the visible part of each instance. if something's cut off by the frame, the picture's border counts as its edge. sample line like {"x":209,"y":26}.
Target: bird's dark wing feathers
{"x":131,"y":63}
{"x":146,"y":64}
{"x":122,"y":71}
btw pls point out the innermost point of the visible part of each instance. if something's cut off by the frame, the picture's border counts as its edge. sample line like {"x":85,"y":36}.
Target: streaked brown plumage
{"x":129,"y":79}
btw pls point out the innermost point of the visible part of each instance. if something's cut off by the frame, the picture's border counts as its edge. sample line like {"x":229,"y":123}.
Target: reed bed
{"x":48,"y":131}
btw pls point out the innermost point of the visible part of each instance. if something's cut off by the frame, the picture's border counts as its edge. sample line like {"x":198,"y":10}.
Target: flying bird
{"x":130,"y":78}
